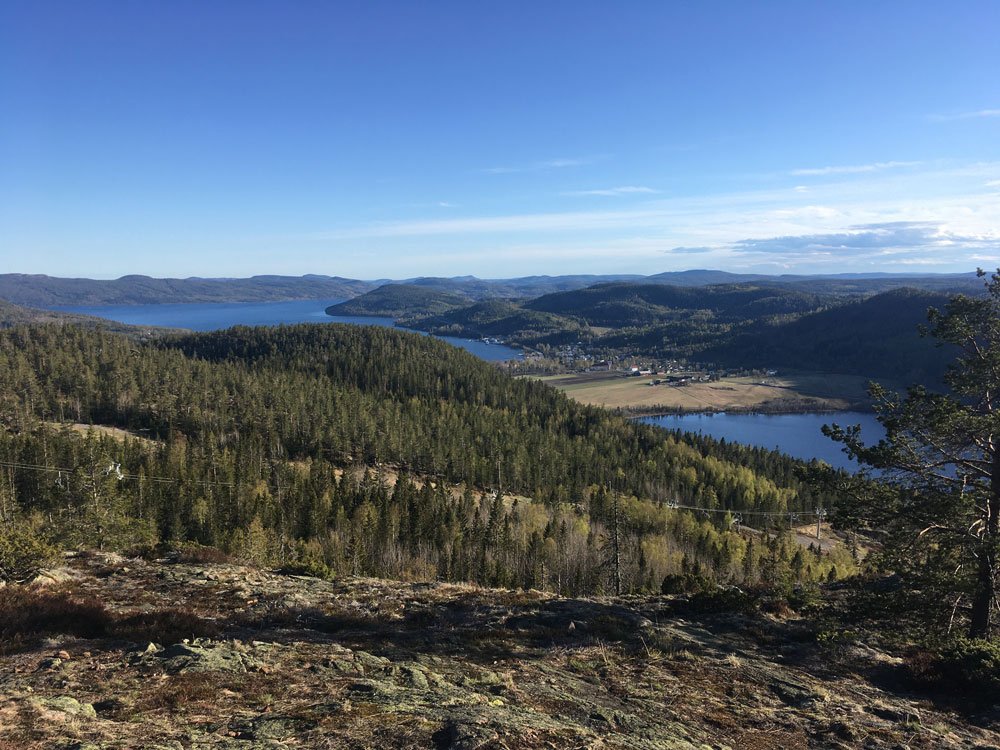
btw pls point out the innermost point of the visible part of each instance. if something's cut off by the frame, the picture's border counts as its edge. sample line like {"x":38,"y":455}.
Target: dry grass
{"x":112,"y":432}
{"x":615,"y":391}
{"x":163,"y":626}
{"x":180,"y":691}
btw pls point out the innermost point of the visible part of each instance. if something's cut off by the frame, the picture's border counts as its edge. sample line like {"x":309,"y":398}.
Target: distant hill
{"x":51,"y":291}
{"x":704,"y":277}
{"x":495,"y":318}
{"x":397,"y":300}
{"x":518,"y":288}
{"x":837,"y":283}
{"x":749,"y":324}
{"x":876,"y":337}
{"x":14,"y":315}
{"x":860,"y":285}
{"x":619,"y":305}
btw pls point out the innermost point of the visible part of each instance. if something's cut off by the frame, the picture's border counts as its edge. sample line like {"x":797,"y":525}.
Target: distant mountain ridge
{"x":39,"y":290}
{"x":836,"y":283}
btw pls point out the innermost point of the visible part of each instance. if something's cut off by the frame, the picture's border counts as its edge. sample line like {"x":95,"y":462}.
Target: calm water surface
{"x":213,"y":316}
{"x":797,"y":435}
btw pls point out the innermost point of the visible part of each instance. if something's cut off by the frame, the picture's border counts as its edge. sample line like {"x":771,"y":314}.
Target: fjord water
{"x":214,"y":316}
{"x":798,"y":435}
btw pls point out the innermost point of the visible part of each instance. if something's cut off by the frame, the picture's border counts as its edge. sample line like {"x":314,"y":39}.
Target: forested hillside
{"x":37,"y":290}
{"x":396,"y":300}
{"x":500,"y":318}
{"x":12,"y":315}
{"x":276,"y":444}
{"x":624,"y":305}
{"x":877,"y":337}
{"x":748,"y":325}
{"x":523,"y":287}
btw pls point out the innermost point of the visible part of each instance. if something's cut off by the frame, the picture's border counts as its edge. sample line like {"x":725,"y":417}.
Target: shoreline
{"x":639,"y":412}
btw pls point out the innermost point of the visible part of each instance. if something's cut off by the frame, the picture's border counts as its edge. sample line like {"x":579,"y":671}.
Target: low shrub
{"x":314,"y":568}
{"x":193,"y":553}
{"x":686,"y":583}
{"x":307,"y":560}
{"x":27,"y":613}
{"x":964,"y":667}
{"x":23,"y":553}
{"x":729,"y":599}
{"x":804,"y":597}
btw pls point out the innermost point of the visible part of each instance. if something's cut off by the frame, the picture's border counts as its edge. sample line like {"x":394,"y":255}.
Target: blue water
{"x":214,"y":316}
{"x":797,"y":435}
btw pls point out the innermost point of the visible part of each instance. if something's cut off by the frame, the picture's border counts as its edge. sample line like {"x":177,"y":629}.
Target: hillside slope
{"x":397,"y":300}
{"x":620,"y":305}
{"x":877,"y":337}
{"x":15,"y":315}
{"x":494,"y":318}
{"x":259,"y":428}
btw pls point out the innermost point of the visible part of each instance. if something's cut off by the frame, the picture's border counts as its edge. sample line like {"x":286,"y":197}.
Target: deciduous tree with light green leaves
{"x":929,"y":492}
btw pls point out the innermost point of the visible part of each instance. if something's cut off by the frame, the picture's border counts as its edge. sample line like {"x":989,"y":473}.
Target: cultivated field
{"x":810,"y":392}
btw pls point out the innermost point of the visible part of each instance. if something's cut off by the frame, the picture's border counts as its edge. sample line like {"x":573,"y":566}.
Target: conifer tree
{"x":934,"y":499}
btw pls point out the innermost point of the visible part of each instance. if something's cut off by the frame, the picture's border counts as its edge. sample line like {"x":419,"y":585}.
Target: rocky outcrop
{"x":292,"y":661}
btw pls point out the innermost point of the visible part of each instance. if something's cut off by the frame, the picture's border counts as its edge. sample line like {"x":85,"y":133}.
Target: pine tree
{"x":934,"y":503}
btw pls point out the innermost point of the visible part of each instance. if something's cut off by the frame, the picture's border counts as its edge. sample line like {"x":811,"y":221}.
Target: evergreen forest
{"x":339,"y":449}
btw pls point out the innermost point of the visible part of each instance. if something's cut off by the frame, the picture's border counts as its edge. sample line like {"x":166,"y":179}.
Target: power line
{"x":768,"y":513}
{"x":115,"y":469}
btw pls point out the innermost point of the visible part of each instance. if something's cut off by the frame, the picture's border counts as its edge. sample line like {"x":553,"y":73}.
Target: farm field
{"x":806,"y":392}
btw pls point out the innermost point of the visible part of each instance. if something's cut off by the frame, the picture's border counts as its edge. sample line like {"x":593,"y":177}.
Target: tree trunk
{"x":982,"y":601}
{"x":617,"y":548}
{"x":981,"y":623}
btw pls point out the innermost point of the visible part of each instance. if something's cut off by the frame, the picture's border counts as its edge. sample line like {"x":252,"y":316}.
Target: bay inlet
{"x":214,"y":316}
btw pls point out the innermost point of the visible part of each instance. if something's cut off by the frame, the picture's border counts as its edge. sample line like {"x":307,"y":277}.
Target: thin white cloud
{"x":623,"y":190}
{"x":447,"y":204}
{"x":690,"y":250}
{"x":946,"y":197}
{"x":806,"y":212}
{"x":539,"y":166}
{"x":973,"y":115}
{"x":853,"y":168}
{"x":544,"y":222}
{"x":866,"y":221}
{"x":560,"y":163}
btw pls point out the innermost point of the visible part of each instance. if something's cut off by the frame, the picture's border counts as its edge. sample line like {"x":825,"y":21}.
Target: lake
{"x":214,"y":316}
{"x":797,"y":435}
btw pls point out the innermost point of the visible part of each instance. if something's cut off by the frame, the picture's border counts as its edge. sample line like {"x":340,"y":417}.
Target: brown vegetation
{"x":360,"y":662}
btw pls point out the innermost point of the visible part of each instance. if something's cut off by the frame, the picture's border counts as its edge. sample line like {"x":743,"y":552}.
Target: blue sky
{"x":377,"y":139}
